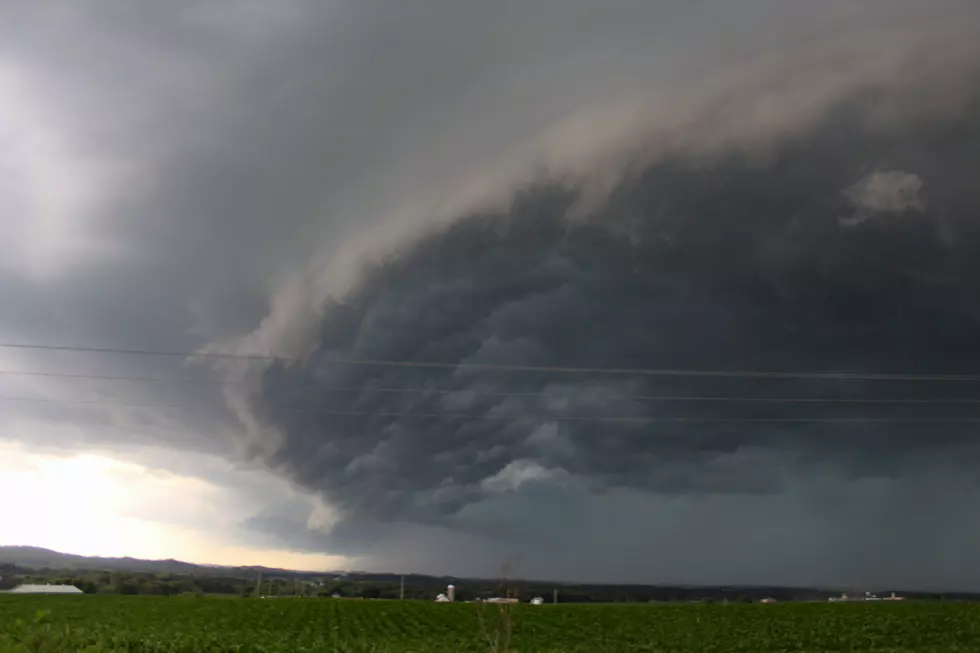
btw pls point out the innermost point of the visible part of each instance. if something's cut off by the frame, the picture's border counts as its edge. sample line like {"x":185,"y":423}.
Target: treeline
{"x":105,"y":582}
{"x":363,"y":585}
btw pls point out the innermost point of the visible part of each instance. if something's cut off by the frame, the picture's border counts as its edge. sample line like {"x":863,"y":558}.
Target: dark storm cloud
{"x":845,"y":246}
{"x":871,"y":532}
{"x":195,"y":160}
{"x":722,"y":264}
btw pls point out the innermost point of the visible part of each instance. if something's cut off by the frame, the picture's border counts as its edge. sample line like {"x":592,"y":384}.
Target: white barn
{"x":45,"y":589}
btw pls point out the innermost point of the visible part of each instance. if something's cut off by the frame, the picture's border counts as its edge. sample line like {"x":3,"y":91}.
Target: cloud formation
{"x":722,"y":252}
{"x":692,"y":185}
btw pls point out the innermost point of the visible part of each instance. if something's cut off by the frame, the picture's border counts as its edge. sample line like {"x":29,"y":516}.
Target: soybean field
{"x":225,"y":625}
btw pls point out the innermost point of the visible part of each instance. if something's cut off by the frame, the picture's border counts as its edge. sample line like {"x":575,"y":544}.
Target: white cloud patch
{"x":522,"y":472}
{"x":548,"y":439}
{"x":890,"y":192}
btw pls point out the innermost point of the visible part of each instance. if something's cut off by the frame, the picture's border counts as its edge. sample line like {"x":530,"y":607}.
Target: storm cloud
{"x":451,"y":220}
{"x":459,"y":392}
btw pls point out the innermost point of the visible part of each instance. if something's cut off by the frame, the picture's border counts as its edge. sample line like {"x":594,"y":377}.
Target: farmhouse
{"x":45,"y":589}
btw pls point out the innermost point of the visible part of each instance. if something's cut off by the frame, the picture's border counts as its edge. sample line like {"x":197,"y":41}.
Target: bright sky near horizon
{"x":95,"y":505}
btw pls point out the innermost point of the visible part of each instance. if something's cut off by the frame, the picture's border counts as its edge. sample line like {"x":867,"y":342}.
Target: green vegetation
{"x":226,"y":625}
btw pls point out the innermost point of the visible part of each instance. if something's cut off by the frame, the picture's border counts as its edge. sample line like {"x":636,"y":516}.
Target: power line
{"x":115,"y":377}
{"x":142,"y":352}
{"x":693,"y":420}
{"x":93,"y":402}
{"x":514,"y":368}
{"x":504,"y":393}
{"x":555,"y":418}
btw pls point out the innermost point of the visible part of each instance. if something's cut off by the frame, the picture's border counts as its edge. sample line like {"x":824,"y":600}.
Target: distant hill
{"x":37,"y":558}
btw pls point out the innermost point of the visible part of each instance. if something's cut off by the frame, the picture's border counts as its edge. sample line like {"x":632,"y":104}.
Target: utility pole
{"x":401,"y":590}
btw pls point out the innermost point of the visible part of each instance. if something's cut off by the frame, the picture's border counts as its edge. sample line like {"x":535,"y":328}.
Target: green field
{"x":192,"y":625}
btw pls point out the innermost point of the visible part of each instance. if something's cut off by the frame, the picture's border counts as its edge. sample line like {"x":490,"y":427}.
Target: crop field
{"x":201,"y":625}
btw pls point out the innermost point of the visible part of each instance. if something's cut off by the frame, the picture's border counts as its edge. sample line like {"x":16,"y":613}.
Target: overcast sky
{"x":712,"y":185}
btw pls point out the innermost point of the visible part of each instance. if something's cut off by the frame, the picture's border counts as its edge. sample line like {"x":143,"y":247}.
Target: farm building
{"x":45,"y":589}
{"x":449,"y":596}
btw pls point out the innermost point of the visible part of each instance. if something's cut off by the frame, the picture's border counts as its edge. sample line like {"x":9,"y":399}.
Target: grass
{"x":201,"y":625}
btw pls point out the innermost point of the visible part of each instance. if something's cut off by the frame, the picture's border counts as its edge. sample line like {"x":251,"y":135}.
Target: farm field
{"x":193,"y":625}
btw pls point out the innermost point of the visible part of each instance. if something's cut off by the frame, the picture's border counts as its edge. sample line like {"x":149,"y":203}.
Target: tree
{"x":9,"y":581}
{"x":87,"y":586}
